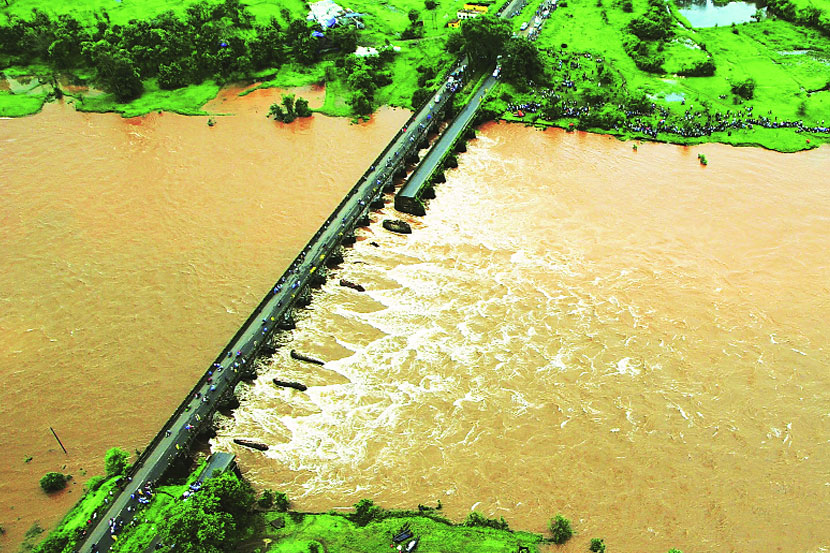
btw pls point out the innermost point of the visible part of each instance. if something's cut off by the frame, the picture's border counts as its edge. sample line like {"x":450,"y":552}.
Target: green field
{"x":786,"y":61}
{"x":789,"y":63}
{"x":333,"y":533}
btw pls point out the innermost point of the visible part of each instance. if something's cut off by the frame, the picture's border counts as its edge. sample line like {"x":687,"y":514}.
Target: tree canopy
{"x":210,"y":520}
{"x":484,"y":38}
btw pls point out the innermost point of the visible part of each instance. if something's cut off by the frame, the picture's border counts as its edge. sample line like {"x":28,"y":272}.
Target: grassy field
{"x":786,"y":61}
{"x":334,"y":533}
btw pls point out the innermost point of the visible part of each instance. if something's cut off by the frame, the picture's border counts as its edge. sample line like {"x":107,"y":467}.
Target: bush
{"x":705,"y":68}
{"x":280,"y":502}
{"x":430,"y":4}
{"x":56,"y":542}
{"x":560,"y":528}
{"x":171,"y":76}
{"x":597,"y":545}
{"x":366,"y":511}
{"x":301,"y":107}
{"x":94,"y":483}
{"x":115,"y":461}
{"x":745,"y":89}
{"x":267,"y":499}
{"x":477,"y":519}
{"x":53,"y":481}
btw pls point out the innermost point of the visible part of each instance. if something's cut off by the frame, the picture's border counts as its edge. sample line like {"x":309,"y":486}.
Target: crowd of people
{"x":565,"y":101}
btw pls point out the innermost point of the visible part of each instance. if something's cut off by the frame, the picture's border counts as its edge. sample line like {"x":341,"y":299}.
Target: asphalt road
{"x":433,"y":158}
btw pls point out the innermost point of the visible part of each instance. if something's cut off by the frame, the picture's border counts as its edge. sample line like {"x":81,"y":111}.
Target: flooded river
{"x":625,"y":337}
{"x":131,"y":250}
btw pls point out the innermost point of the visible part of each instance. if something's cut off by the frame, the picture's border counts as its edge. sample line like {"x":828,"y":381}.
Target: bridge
{"x":237,"y":359}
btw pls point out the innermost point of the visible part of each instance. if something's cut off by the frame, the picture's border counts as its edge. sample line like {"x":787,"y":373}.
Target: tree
{"x":281,"y":502}
{"x":171,"y":76}
{"x":115,"y":461}
{"x":301,"y":108}
{"x":53,"y":481}
{"x":484,"y":38}
{"x":430,"y":4}
{"x":413,"y":15}
{"x":521,"y":61}
{"x":365,"y":511}
{"x":560,"y":527}
{"x":745,"y":89}
{"x":212,"y":519}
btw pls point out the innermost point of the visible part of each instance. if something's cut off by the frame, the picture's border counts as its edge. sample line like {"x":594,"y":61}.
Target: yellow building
{"x":454,"y":24}
{"x":474,"y":7}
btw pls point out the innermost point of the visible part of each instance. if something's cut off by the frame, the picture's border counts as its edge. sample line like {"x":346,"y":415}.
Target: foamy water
{"x":624,"y":337}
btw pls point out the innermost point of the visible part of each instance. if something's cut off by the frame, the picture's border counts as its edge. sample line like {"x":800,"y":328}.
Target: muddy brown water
{"x":131,"y":250}
{"x":621,"y":336}
{"x":625,"y":337}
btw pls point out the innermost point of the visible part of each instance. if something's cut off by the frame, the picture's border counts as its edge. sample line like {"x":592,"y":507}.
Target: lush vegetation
{"x":560,"y":529}
{"x":170,"y":55}
{"x":336,"y":533}
{"x":211,"y":520}
{"x":53,"y":481}
{"x":638,"y":70}
{"x":115,"y":462}
{"x":289,"y":109}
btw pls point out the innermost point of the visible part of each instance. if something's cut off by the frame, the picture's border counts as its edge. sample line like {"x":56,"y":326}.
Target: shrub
{"x":705,"y":68}
{"x":560,"y":528}
{"x":365,"y":511}
{"x":171,"y":76}
{"x":55,"y":542}
{"x":745,"y":89}
{"x":115,"y":461}
{"x":597,"y":545}
{"x":420,"y":96}
{"x":53,"y":481}
{"x":94,"y":483}
{"x":430,"y":4}
{"x":280,"y":502}
{"x":267,"y":499}
{"x":477,"y":519}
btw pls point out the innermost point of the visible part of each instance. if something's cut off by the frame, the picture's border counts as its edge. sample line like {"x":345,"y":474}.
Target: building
{"x":480,"y":7}
{"x":325,"y":13}
{"x":466,"y":14}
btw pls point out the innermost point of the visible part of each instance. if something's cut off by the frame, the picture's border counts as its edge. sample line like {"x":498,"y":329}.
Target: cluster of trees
{"x":213,"y":520}
{"x":646,"y":36}
{"x":808,"y":15}
{"x":487,"y":39}
{"x":218,"y":40}
{"x":745,"y":88}
{"x":365,"y":75}
{"x":416,"y":26}
{"x":290,"y":109}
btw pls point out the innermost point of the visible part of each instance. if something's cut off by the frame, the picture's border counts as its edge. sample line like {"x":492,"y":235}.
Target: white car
{"x":437,"y":97}
{"x":523,"y":27}
{"x":497,"y":71}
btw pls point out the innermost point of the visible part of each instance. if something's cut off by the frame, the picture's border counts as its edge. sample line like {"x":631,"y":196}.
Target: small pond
{"x":705,"y":13}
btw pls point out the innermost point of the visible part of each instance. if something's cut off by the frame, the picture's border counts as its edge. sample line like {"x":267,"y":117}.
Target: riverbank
{"x":594,"y":84}
{"x":590,"y":79}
